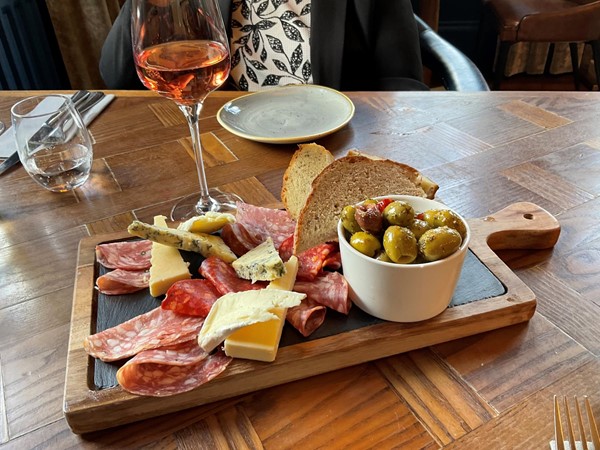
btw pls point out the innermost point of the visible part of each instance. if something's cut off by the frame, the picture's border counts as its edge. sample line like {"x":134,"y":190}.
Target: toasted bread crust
{"x":306,"y":163}
{"x":347,"y":181}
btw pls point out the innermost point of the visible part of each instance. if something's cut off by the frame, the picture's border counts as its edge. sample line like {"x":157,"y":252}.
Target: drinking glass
{"x":181,"y":51}
{"x":53,"y":143}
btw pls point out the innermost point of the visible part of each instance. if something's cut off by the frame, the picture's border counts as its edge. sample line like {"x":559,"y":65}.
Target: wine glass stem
{"x":192,"y":115}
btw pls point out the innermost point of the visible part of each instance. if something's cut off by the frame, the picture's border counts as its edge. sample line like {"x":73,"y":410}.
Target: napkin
{"x":7,"y":139}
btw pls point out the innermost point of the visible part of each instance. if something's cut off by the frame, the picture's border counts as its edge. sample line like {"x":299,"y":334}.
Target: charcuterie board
{"x":489,"y":296}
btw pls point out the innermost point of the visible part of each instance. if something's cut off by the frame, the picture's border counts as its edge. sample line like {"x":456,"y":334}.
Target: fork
{"x":559,"y":437}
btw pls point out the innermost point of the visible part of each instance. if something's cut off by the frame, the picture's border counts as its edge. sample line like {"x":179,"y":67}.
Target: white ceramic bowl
{"x":402,"y":292}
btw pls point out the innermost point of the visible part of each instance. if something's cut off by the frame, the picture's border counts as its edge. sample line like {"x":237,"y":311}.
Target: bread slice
{"x":347,"y":181}
{"x":308,"y":162}
{"x":429,"y":186}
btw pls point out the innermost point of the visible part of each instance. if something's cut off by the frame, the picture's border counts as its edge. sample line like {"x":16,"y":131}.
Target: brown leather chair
{"x":552,"y":21}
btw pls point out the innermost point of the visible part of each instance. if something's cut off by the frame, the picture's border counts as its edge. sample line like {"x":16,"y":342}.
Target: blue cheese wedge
{"x":205,"y":244}
{"x":240,"y":309}
{"x":261,"y":263}
{"x":260,"y":341}
{"x":209,"y":222}
{"x":167,"y":265}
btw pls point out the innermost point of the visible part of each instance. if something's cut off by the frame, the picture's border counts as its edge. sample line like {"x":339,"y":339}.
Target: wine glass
{"x":181,"y":51}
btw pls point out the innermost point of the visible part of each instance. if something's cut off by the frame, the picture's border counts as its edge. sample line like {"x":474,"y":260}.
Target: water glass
{"x":53,"y":142}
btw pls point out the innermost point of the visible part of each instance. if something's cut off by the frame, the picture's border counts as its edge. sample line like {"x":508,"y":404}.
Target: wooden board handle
{"x":518,"y":226}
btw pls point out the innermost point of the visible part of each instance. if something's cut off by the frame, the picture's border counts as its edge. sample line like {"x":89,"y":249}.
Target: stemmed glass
{"x":181,"y":51}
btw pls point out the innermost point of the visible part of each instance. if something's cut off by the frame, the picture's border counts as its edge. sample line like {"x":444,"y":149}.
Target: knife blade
{"x":9,"y":162}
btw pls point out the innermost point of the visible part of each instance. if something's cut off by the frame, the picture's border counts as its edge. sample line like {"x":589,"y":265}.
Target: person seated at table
{"x":350,"y":45}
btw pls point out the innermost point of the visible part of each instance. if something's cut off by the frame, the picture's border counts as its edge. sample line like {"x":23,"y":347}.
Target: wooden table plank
{"x":486,"y":150}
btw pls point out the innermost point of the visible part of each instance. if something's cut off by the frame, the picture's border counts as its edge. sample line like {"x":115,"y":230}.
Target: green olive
{"x":400,"y":244}
{"x":383,"y":256}
{"x":370,"y":201}
{"x":418,"y":227}
{"x":365,"y":243}
{"x":447,"y":218}
{"x":399,"y":213}
{"x":429,"y":217}
{"x":439,"y":243}
{"x":348,"y":220}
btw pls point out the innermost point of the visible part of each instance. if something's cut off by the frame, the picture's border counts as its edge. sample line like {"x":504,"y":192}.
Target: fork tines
{"x":572,"y":442}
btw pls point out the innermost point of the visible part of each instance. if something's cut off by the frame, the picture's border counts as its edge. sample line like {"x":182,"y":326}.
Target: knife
{"x":9,"y":162}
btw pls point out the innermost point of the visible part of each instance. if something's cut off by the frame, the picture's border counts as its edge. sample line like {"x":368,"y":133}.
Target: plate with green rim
{"x":287,"y":115}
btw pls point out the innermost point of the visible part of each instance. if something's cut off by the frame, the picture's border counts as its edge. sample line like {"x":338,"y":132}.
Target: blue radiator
{"x":29,"y":53}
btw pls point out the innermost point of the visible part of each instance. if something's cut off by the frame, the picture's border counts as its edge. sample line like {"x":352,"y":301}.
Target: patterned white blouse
{"x":270,"y":43}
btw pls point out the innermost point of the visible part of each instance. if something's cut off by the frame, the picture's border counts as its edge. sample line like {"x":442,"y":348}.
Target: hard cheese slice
{"x":237,"y":310}
{"x":167,"y":265}
{"x":260,"y":341}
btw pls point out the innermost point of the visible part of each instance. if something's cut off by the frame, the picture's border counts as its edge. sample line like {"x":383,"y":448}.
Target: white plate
{"x":287,"y":114}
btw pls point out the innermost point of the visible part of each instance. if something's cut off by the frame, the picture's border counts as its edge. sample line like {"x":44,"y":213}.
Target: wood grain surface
{"x":489,"y":390}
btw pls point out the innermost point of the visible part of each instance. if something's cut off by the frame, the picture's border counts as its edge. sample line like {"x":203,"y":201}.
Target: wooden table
{"x":485,"y":150}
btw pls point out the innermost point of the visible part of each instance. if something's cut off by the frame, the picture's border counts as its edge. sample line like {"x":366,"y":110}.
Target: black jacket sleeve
{"x":116,"y":59}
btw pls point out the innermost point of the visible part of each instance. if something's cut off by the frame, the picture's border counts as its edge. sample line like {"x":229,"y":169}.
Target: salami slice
{"x":191,"y":297}
{"x":119,"y":281}
{"x":126,"y":255}
{"x":156,"y":328}
{"x":306,"y":317}
{"x":171,"y":370}
{"x":265,"y":222}
{"x":224,"y":278}
{"x":328,"y":289}
{"x":238,"y":238}
{"x":333,"y":261}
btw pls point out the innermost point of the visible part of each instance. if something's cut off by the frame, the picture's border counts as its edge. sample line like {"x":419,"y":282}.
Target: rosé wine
{"x":184,"y":71}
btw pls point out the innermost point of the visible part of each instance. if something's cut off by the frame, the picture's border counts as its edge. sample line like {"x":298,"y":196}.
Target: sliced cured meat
{"x":312,"y":261}
{"x":156,"y":328}
{"x":306,"y":317}
{"x":119,"y":281}
{"x":238,"y":238}
{"x":328,"y":289}
{"x":191,"y":297}
{"x":265,"y":222}
{"x":286,"y":249}
{"x":126,"y":255}
{"x":224,"y":278}
{"x":333,"y":261}
{"x":170,"y":370}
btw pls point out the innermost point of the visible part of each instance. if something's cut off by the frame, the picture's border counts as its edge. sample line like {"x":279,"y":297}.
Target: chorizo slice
{"x":191,"y":297}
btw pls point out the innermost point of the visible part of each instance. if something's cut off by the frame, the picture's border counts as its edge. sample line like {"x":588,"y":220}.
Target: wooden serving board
{"x":489,"y":296}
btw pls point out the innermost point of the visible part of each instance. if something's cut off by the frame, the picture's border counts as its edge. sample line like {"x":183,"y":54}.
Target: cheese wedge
{"x":167,"y":265}
{"x":261,"y":263}
{"x":237,"y":310}
{"x":209,"y":222}
{"x":205,"y":244}
{"x":260,"y":341}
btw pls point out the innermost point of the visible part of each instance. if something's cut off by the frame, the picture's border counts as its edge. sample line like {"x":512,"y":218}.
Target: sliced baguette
{"x":308,"y":162}
{"x":347,"y":181}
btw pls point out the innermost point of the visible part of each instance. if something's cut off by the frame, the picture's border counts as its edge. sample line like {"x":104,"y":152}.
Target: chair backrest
{"x":578,"y":23}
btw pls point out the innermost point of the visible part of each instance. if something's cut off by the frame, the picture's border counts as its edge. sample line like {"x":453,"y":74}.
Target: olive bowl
{"x":402,"y":292}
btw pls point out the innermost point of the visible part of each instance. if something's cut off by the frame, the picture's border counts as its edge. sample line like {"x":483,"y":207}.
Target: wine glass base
{"x":192,"y":205}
